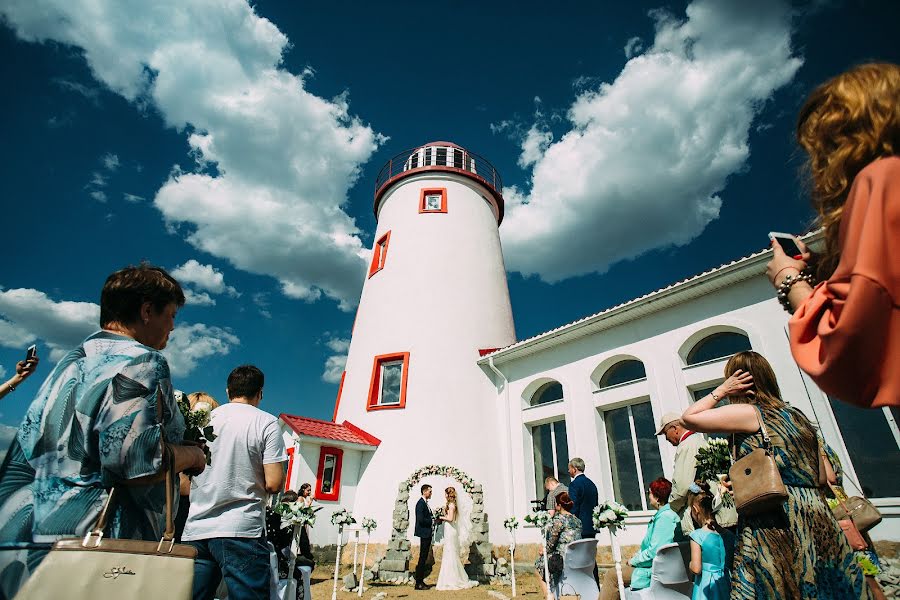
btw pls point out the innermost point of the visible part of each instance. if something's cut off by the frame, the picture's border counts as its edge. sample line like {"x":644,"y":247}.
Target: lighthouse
{"x":435,"y":295}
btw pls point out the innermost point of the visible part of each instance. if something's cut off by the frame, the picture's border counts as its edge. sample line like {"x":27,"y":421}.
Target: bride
{"x":453,"y":575}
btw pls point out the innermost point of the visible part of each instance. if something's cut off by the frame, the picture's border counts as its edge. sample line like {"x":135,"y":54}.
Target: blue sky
{"x":639,"y":144}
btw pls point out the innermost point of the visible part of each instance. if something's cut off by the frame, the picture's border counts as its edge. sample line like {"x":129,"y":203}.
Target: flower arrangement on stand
{"x":369,"y":525}
{"x":541,"y":519}
{"x":611,"y":515}
{"x":713,"y":462}
{"x":340,"y":518}
{"x":511,"y":524}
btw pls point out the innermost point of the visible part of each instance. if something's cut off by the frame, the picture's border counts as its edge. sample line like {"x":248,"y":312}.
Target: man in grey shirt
{"x":554,"y":488}
{"x":226,"y":523}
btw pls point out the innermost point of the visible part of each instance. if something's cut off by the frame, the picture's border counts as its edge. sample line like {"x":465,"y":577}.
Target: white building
{"x":422,"y":386}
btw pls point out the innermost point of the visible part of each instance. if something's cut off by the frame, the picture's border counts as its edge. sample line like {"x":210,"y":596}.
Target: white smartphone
{"x":31,"y":352}
{"x":788,"y":243}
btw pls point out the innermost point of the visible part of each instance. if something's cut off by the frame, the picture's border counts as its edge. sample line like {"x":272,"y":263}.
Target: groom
{"x":423,"y":531}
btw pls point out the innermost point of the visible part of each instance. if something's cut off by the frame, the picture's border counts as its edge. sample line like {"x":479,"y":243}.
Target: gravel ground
{"x":526,"y":586}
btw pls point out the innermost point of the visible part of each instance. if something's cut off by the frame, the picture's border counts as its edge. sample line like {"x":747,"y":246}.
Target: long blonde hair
{"x":195,"y":397}
{"x":846,"y":123}
{"x":450,"y":495}
{"x":765,"y":385}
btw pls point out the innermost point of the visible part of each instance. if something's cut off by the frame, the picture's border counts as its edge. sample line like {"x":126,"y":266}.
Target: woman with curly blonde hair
{"x":845,"y":330}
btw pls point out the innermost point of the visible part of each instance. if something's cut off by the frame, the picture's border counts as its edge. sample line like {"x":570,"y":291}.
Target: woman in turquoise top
{"x":711,"y":551}
{"x":660,"y":531}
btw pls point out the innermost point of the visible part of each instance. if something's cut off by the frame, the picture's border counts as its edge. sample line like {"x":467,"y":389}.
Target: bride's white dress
{"x":452,"y":575}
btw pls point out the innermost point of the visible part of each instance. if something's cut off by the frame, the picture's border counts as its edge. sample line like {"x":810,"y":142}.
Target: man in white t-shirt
{"x":226,"y":522}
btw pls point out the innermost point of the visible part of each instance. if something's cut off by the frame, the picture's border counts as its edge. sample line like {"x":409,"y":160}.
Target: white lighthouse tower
{"x":435,"y":295}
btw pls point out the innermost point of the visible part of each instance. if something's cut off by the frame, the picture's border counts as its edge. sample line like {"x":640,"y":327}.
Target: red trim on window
{"x":372,"y":403}
{"x":486,"y":351}
{"x":337,"y":401}
{"x":431,"y":191}
{"x":379,"y":253}
{"x":335,"y":492}
{"x":287,"y":478}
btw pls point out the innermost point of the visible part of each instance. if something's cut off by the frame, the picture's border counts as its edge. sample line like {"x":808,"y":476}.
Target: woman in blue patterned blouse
{"x":106,"y":416}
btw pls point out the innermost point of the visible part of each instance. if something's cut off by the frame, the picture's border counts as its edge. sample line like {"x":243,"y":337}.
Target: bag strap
{"x":767,"y":441}
{"x":167,"y":543}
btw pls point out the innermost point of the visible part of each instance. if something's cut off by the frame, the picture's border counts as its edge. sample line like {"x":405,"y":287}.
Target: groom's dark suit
{"x":423,"y":531}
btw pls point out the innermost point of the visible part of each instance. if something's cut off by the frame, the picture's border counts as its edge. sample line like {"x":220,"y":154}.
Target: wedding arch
{"x":394,"y":566}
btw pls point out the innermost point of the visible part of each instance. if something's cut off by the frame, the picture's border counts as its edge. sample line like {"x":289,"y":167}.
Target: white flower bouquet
{"x":369,"y":524}
{"x":713,"y":462}
{"x":538,"y":519}
{"x":196,"y":421}
{"x":294,"y":513}
{"x":609,"y":514}
{"x":342,"y":518}
{"x":511,"y":523}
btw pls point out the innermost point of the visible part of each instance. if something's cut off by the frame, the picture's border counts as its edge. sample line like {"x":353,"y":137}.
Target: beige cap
{"x":666,"y":419}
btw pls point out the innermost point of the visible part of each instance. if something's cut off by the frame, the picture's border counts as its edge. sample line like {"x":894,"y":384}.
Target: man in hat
{"x":686,"y":444}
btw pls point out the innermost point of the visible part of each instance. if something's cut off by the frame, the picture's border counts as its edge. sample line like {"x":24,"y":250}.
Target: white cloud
{"x":2,"y":374}
{"x":133,"y":198}
{"x":204,"y":277}
{"x":190,"y":344}
{"x":285,"y":158}
{"x":197,"y":298}
{"x":334,"y":364}
{"x":110,"y":161}
{"x":29,"y":315}
{"x":98,"y":195}
{"x":261,"y":300}
{"x":647,"y":155}
{"x":98,"y":179}
{"x":633,"y":47}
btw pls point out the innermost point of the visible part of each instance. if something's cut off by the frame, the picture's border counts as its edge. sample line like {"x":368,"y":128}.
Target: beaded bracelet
{"x":785,"y":288}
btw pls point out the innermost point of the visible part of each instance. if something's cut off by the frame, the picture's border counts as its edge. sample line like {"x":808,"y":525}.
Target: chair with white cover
{"x":579,"y":561}
{"x":669,"y":577}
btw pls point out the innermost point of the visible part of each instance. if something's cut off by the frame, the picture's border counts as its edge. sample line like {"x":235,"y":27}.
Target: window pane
{"x":623,"y":372}
{"x":441,"y":156}
{"x":433,"y":202}
{"x":562,"y":453}
{"x":718,"y":345}
{"x":391,"y":375}
{"x":648,"y":445}
{"x":872,"y":447}
{"x":543,"y":456}
{"x":549,"y":392}
{"x":626,"y":487}
{"x":458,"y":158}
{"x":328,"y":473}
{"x":414,"y":160}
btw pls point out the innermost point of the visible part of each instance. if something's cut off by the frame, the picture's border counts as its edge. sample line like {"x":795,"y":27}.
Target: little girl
{"x":711,"y":551}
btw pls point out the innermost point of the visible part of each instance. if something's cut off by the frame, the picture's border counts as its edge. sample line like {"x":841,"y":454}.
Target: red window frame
{"x":290,"y":467}
{"x":375,"y":383}
{"x":335,"y":492}
{"x":429,"y":192}
{"x":337,"y":401}
{"x":379,"y":253}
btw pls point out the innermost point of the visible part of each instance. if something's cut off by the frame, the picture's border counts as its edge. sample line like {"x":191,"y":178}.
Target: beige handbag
{"x":755,"y":478}
{"x":856,"y":508}
{"x":95,"y":568}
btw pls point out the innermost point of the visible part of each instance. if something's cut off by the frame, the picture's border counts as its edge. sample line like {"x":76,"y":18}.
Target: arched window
{"x":549,"y":392}
{"x":624,"y":371}
{"x":718,"y":345}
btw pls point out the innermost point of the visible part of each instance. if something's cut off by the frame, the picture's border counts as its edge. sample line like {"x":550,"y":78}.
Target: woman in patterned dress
{"x":798,"y":550}
{"x":106,"y":416}
{"x":563,"y":529}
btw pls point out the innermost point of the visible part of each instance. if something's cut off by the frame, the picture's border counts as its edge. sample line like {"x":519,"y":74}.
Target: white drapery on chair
{"x":578,"y":570}
{"x":669,"y":577}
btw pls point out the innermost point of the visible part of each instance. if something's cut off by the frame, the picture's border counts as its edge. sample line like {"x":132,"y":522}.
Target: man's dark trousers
{"x":424,"y":549}
{"x":423,"y":530}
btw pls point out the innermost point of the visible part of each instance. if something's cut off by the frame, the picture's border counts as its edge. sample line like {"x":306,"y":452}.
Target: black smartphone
{"x":787,"y":242}
{"x":31,"y":352}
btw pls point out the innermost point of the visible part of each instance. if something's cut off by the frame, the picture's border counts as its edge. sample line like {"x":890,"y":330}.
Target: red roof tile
{"x":326,"y":430}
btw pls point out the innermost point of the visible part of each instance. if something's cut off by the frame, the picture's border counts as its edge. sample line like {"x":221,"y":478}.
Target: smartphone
{"x":788,"y":243}
{"x":31,"y":352}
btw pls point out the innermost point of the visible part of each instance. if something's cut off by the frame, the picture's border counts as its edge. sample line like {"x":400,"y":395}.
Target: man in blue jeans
{"x":226,"y":522}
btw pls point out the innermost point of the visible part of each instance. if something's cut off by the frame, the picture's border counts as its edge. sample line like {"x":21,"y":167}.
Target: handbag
{"x":94,"y":568}
{"x":755,"y":478}
{"x":856,"y":508}
{"x":564,"y":596}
